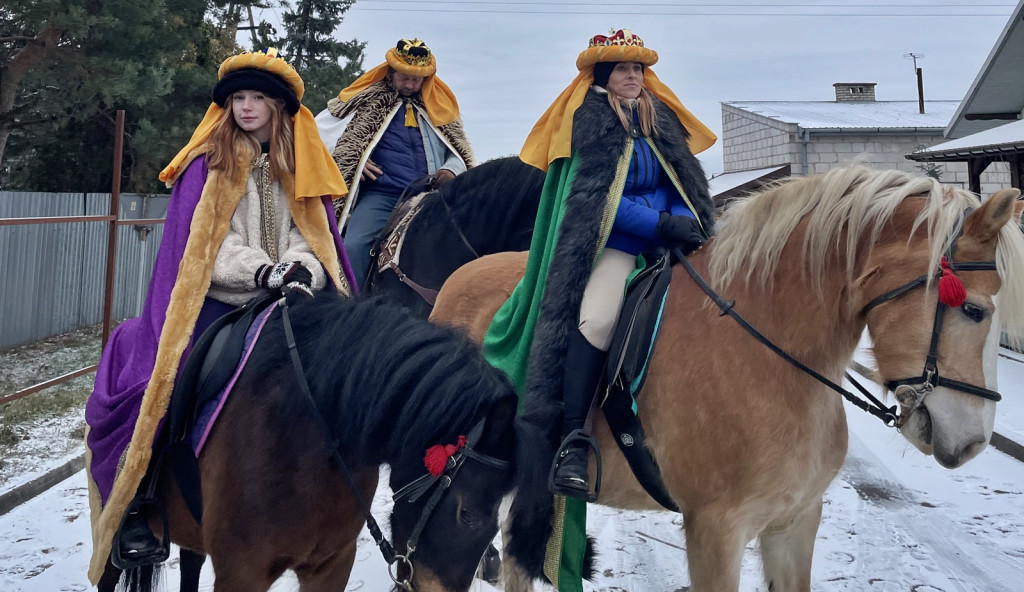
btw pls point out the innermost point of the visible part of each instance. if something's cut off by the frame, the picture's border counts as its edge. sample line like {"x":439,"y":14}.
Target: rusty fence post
{"x":115,"y":198}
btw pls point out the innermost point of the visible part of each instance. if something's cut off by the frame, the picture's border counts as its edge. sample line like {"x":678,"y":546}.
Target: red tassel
{"x":951,"y":289}
{"x":436,"y":459}
{"x":437,"y":456}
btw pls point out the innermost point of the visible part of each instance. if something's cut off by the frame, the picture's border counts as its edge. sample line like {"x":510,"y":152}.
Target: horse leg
{"x":786,"y":552}
{"x":242,"y":573}
{"x":331,"y":575}
{"x":714,"y":551}
{"x":191,"y":568}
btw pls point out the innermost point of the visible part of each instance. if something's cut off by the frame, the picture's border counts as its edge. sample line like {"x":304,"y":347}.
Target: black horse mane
{"x":386,"y":382}
{"x":499,"y":195}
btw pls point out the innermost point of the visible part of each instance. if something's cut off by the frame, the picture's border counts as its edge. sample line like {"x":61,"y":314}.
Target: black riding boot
{"x":584,"y":365}
{"x":136,"y":543}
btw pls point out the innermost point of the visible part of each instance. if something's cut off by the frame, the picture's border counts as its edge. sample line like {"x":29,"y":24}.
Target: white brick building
{"x":815,"y":136}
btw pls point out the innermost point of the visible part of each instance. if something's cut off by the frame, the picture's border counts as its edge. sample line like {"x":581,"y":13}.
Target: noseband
{"x":410,"y":492}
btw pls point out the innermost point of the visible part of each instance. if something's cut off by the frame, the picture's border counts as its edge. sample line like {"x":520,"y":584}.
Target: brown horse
{"x":387,"y":387}
{"x":746,"y":442}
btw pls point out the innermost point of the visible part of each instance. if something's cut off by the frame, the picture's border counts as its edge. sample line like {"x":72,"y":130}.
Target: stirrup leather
{"x":574,"y":438}
{"x":125,"y":560}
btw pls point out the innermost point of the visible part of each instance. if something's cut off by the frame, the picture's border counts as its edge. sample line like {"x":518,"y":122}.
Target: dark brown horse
{"x":388,"y":386}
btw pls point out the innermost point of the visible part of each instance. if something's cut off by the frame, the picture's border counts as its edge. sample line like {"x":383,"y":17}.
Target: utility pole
{"x":920,"y":79}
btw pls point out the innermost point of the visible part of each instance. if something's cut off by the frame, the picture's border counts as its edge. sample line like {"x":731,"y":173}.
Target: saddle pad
{"x":627,"y":368}
{"x":638,"y":323}
{"x":210,"y":410}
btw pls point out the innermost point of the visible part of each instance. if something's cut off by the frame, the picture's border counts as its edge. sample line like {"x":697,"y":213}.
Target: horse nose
{"x":955,"y":458}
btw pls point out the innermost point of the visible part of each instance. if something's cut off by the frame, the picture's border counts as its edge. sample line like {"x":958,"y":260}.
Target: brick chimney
{"x":855,"y":92}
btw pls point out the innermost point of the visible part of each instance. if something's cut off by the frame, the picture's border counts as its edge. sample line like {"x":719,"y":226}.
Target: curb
{"x":998,"y":441}
{"x":22,"y":493}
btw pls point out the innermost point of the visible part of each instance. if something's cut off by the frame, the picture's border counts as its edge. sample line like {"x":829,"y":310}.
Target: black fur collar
{"x":598,"y":141}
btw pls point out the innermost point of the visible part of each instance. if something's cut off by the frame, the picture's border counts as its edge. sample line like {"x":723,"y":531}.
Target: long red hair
{"x":230,"y":145}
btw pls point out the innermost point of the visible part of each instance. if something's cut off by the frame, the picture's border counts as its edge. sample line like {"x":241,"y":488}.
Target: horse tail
{"x":141,"y":579}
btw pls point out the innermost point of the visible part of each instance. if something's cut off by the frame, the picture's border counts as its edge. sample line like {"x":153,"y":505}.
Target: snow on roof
{"x":853,"y":115}
{"x":720,"y":184}
{"x":1007,"y":137}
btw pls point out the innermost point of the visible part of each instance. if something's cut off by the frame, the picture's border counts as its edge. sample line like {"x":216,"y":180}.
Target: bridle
{"x":437,"y":485}
{"x":392,"y":248}
{"x":910,"y":392}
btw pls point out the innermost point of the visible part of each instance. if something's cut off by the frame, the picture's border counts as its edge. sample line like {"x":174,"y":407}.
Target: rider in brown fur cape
{"x":394,"y":125}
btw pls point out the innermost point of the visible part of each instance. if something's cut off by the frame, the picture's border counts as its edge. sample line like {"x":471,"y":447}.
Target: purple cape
{"x":129,"y":356}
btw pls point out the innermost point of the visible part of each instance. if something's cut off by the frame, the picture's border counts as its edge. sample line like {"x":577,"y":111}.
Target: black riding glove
{"x":274,"y":277}
{"x":680,"y":231}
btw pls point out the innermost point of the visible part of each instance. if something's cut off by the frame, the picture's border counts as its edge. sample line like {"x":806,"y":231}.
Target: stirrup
{"x":125,"y":561}
{"x":576,"y":437}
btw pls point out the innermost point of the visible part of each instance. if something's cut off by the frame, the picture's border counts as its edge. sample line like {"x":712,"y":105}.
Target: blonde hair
{"x":847,"y":209}
{"x":645,"y":111}
{"x":230,"y":145}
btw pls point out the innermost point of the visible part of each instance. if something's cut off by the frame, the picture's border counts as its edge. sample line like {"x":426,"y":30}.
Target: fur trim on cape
{"x":598,"y":140}
{"x":369,"y":112}
{"x":209,"y":226}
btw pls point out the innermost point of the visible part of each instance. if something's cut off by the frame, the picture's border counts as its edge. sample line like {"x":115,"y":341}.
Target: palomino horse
{"x":488,"y":209}
{"x":386,"y":386}
{"x":747,"y":443}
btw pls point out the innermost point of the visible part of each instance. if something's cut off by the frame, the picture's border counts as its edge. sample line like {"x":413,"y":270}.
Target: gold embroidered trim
{"x":268,"y":214}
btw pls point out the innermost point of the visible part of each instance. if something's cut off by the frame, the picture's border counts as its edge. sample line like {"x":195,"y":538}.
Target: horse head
{"x":937,"y":349}
{"x":445,"y":518}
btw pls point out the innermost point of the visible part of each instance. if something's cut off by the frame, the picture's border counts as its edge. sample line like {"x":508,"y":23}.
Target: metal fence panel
{"x":53,"y":274}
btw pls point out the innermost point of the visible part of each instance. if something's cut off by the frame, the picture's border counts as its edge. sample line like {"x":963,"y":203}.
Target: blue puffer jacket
{"x":647,"y":193}
{"x":400,"y":155}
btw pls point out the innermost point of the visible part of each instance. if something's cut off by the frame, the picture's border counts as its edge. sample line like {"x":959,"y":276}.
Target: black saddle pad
{"x":210,"y":363}
{"x":627,"y":369}
{"x":207,"y":370}
{"x":638,"y":323}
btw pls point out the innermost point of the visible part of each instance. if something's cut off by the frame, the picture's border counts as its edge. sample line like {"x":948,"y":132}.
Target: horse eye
{"x":469,"y":518}
{"x":973,"y":312}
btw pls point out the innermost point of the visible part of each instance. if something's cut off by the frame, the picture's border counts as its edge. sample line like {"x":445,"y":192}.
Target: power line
{"x":635,"y":13}
{"x":691,"y":5}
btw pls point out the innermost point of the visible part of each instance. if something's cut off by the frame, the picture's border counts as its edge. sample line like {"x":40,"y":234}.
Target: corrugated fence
{"x":52,"y":275}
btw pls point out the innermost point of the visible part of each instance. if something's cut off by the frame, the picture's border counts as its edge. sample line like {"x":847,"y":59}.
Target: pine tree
{"x":66,"y":67}
{"x":326,"y":65}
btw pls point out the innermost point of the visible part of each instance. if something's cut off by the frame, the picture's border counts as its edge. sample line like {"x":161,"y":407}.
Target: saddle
{"x":627,"y":365}
{"x":207,"y":370}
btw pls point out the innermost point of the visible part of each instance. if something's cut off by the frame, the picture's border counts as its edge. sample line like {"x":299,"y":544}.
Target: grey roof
{"x":1007,"y":138}
{"x":853,"y":116}
{"x":997,"y":88}
{"x":725,"y":182}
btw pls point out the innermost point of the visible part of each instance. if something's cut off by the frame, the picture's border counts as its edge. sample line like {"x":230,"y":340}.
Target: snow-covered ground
{"x":894,"y":521}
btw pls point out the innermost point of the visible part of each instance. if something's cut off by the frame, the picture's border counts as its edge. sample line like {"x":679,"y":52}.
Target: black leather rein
{"x":924,"y":383}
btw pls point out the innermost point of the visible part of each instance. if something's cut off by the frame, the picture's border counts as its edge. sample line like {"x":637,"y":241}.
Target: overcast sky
{"x":506,"y":61}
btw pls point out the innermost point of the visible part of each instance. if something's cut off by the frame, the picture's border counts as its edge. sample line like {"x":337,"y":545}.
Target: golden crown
{"x":413,"y":52}
{"x":620,"y":37}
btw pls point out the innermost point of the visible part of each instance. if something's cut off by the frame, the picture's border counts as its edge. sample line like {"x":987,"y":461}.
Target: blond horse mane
{"x":846,"y":208}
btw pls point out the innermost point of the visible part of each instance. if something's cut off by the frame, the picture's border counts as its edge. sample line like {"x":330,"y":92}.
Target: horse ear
{"x":985,"y":223}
